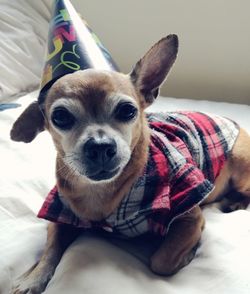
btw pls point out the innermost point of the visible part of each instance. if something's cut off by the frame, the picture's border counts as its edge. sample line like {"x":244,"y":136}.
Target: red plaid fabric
{"x":186,"y":154}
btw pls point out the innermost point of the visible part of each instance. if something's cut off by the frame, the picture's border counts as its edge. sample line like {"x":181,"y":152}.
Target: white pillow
{"x":23,"y":35}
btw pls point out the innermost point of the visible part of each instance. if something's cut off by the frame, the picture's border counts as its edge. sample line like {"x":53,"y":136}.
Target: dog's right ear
{"x":151,"y":70}
{"x":29,"y":124}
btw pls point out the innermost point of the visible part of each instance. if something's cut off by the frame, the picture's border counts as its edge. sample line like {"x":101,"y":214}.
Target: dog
{"x":104,"y":143}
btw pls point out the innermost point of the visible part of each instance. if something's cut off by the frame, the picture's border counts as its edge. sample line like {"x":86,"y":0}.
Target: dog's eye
{"x":125,"y":111}
{"x":62,"y":118}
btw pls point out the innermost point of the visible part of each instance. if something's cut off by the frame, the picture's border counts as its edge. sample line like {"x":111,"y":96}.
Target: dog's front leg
{"x":36,"y":279}
{"x":180,"y":244}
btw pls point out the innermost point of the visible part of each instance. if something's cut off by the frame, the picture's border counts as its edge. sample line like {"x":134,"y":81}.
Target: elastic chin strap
{"x":41,"y":101}
{"x":44,"y":91}
{"x":41,"y":98}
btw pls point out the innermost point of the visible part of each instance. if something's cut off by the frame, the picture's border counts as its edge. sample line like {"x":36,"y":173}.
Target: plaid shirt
{"x":186,"y":153}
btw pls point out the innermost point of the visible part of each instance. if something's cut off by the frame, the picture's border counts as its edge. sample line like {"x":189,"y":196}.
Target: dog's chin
{"x":104,"y":175}
{"x":98,"y":174}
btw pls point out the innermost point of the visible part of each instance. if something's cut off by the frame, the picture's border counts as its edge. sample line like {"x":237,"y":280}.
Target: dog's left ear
{"x":150,"y":71}
{"x":28,"y":124}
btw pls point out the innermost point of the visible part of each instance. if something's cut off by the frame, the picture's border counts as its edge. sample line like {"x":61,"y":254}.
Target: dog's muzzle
{"x":100,"y":158}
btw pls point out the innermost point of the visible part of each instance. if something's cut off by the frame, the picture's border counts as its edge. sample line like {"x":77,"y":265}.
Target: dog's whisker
{"x":61,"y":169}
{"x":71,"y":176}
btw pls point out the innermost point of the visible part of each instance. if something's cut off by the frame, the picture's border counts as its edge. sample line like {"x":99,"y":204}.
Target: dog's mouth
{"x":103,"y":175}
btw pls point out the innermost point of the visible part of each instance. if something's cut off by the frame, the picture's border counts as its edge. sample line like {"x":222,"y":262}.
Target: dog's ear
{"x":150,"y":71}
{"x":28,"y":124}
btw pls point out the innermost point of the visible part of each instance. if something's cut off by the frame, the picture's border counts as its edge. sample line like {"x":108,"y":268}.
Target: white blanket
{"x":91,"y":264}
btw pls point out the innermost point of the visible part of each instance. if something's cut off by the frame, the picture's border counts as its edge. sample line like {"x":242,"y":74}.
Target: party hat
{"x":72,"y":46}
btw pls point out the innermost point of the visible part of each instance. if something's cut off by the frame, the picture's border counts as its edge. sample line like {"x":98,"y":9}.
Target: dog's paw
{"x":26,"y":288}
{"x":233,"y":201}
{"x":168,"y":267}
{"x":29,"y":285}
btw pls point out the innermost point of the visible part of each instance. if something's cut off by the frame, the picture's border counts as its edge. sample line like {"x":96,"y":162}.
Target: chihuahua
{"x":127,"y":172}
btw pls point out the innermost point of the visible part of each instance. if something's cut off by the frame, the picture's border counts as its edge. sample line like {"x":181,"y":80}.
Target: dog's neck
{"x":95,"y":201}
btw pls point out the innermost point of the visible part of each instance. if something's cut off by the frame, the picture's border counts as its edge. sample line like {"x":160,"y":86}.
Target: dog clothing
{"x":186,"y":154}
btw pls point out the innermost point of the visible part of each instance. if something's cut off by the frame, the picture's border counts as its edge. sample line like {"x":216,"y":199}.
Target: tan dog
{"x":99,"y":128}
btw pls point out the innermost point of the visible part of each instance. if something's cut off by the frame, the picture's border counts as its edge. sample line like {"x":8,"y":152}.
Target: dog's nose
{"x":100,"y":151}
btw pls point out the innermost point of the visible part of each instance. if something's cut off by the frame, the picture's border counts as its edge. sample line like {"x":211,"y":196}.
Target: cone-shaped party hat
{"x":72,"y":46}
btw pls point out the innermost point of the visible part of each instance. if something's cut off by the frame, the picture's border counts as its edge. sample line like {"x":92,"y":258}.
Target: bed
{"x":93,"y":264}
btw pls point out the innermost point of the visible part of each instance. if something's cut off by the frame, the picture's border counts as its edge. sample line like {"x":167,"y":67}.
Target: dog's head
{"x":96,"y":117}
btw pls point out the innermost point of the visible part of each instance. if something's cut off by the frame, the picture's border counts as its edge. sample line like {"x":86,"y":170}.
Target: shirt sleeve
{"x":54,"y":209}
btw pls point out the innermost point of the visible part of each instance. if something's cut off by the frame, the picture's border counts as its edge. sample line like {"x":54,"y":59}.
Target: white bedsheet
{"x":93,"y":265}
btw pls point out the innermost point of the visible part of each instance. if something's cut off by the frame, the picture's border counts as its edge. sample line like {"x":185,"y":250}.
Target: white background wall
{"x":214,"y":54}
